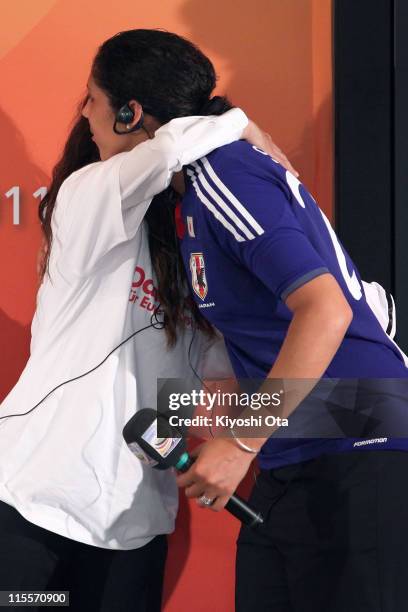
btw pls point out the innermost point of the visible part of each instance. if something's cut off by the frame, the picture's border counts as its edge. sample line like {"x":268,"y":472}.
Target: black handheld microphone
{"x":140,"y":434}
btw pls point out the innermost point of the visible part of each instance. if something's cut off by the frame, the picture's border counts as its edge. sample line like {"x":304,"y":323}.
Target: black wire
{"x":154,"y":322}
{"x":196,"y":373}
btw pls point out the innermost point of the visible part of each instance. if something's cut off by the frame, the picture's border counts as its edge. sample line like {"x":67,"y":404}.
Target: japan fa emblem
{"x":198,"y":277}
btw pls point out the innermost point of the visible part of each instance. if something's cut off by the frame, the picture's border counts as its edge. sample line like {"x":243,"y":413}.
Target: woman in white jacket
{"x":78,"y":511}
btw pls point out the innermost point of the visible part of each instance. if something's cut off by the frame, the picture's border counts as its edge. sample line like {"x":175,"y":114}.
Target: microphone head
{"x":140,"y":434}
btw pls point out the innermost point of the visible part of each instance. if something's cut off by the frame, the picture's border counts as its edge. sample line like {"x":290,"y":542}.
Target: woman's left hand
{"x":219,"y":468}
{"x":260,"y":139}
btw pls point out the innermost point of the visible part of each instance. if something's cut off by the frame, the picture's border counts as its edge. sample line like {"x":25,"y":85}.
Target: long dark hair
{"x":170,"y":77}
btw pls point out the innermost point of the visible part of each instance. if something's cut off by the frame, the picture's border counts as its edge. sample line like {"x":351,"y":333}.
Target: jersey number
{"x":351,"y":280}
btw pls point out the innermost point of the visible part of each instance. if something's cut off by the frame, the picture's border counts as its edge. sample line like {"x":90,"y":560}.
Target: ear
{"x":137,"y":109}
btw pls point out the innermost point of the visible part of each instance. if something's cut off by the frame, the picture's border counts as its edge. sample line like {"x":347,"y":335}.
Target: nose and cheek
{"x":85,"y":113}
{"x":85,"y":109}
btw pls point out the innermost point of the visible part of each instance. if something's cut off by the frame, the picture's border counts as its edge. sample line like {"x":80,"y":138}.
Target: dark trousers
{"x":32,"y":559}
{"x":335,"y":537}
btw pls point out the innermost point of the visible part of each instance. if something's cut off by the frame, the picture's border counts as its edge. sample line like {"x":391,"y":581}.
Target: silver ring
{"x":205,"y":501}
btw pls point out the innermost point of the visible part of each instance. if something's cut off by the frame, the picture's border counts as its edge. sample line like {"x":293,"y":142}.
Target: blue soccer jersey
{"x":253,"y":235}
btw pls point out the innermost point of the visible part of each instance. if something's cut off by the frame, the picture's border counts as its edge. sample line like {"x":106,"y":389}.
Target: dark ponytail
{"x":215,"y":106}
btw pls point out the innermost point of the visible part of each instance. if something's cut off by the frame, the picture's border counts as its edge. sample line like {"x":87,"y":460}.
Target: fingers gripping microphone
{"x":140,"y":434}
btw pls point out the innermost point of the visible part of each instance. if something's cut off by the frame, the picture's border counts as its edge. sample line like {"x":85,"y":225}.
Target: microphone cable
{"x":154,"y":322}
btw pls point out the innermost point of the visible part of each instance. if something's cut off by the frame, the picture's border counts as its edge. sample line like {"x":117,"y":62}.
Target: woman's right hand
{"x":260,"y":139}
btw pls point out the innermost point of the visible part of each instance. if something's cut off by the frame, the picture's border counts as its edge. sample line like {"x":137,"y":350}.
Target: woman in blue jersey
{"x":266,"y":268}
{"x":78,"y":511}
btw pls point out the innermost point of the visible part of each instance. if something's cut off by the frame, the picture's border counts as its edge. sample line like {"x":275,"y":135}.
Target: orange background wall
{"x":274,"y":60}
